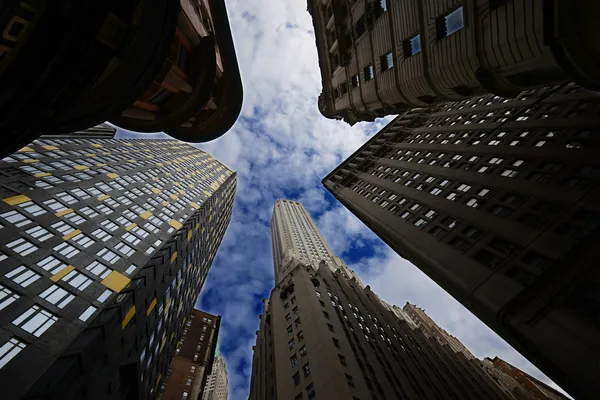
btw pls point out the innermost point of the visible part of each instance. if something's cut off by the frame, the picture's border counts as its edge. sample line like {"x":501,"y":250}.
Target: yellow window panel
{"x":189,"y":236}
{"x":101,"y":165}
{"x":182,"y":192}
{"x":103,"y":197}
{"x":116,"y":281}
{"x":81,"y":167}
{"x":15,"y":200}
{"x":146,"y":214}
{"x":130,"y":314}
{"x":50,"y":147}
{"x":175,"y":224}
{"x":195,"y":205}
{"x":42,"y":174}
{"x":155,"y":190}
{"x":130,"y":227}
{"x":30,"y":161}
{"x":174,"y":197}
{"x":151,"y":307}
{"x":173,"y":257}
{"x":91,"y":155}
{"x":25,"y":149}
{"x":57,"y":277}
{"x":72,"y":234}
{"x":112,"y":175}
{"x":64,"y":212}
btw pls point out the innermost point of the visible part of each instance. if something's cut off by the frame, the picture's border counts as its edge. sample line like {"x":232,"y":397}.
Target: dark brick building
{"x":192,"y":364}
{"x":497,"y":200}
{"x":381,"y":57}
{"x":165,"y":65}
{"x":104,"y":247}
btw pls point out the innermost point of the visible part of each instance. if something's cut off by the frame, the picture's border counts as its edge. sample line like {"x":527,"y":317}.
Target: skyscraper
{"x":381,"y":57}
{"x":167,"y":66}
{"x":188,"y":374}
{"x":496,"y":200}
{"x":217,"y":383}
{"x":105,"y":245}
{"x":323,"y":336}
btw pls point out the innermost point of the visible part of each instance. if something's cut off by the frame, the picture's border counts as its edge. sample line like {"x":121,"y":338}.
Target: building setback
{"x":217,"y":383}
{"x":381,"y":57}
{"x":322,"y":335}
{"x":104,"y":247}
{"x":169,"y":66}
{"x":187,"y":377}
{"x":497,"y":200}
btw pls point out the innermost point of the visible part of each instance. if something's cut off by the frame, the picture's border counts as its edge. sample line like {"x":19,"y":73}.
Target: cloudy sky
{"x":282,"y":147}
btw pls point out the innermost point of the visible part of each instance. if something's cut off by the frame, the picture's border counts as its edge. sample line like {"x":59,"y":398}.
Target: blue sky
{"x":281,"y":147}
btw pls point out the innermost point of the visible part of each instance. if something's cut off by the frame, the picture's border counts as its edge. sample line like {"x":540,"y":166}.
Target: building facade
{"x":217,"y":383}
{"x":497,"y":201}
{"x":520,"y":384}
{"x":188,"y":375}
{"x":105,"y":245}
{"x":433,"y":330}
{"x":322,"y":335}
{"x":168,"y":66}
{"x":381,"y":57}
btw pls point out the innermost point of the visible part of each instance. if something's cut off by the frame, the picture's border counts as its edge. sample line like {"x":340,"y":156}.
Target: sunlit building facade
{"x":163,"y":66}
{"x":497,"y":201}
{"x":104,"y":247}
{"x":322,"y":335}
{"x":381,"y":57}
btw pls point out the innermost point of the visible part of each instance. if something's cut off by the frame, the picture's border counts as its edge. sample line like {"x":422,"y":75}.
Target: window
{"x":473,"y":203}
{"x":342,"y":360}
{"x":310,"y":391}
{"x":32,"y":208}
{"x":66,"y":250}
{"x":52,"y":264}
{"x":487,"y":258}
{"x":330,"y":327}
{"x":450,"y":23}
{"x":7,"y":296}
{"x":294,"y":361}
{"x":355,"y":80}
{"x":509,"y":173}
{"x":35,"y":320}
{"x":87,"y":313}
{"x":303,"y":351}
{"x":9,"y":350}
{"x":22,"y":276}
{"x":39,"y":233}
{"x":99,"y":269}
{"x":62,"y":227}
{"x":336,"y":342}
{"x":83,"y":240}
{"x":54,"y":205}
{"x":101,"y":234}
{"x":350,"y":380}
{"x":291,"y":343}
{"x":15,"y":218}
{"x":185,"y":396}
{"x":296,"y":379}
{"x":124,"y":249}
{"x":108,"y":255}
{"x":306,"y":369}
{"x":77,"y":280}
{"x":464,"y":188}
{"x":368,"y":72}
{"x":473,"y":232}
{"x":22,"y":247}
{"x":300,"y":336}
{"x":387,"y":61}
{"x":412,"y":46}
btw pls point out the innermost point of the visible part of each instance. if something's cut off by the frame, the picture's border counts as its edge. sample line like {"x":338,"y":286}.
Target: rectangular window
{"x":51,"y":264}
{"x":7,"y":296}
{"x":87,"y":313}
{"x":83,"y":240}
{"x":39,"y":233}
{"x":77,"y":280}
{"x":412,"y":46}
{"x":387,"y":61}
{"x":350,"y":380}
{"x":450,"y":23}
{"x":368,"y":72}
{"x":75,"y":218}
{"x":99,"y":269}
{"x":15,"y":218}
{"x":303,"y":351}
{"x":296,"y":379}
{"x":101,"y":234}
{"x":57,"y":296}
{"x":22,"y":276}
{"x":124,"y":249}
{"x":9,"y":350}
{"x":32,"y":208}
{"x":108,"y":255}
{"x":109,"y":225}
{"x":35,"y":320}
{"x":66,"y":250}
{"x":54,"y":205}
{"x":62,"y":227}
{"x":22,"y":247}
{"x":294,"y":361}
{"x":355,"y":81}
{"x":306,"y":369}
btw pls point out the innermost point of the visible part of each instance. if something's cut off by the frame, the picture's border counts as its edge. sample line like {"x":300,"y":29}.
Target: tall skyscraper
{"x":188,"y":375}
{"x":217,"y":384}
{"x":105,"y":245}
{"x":167,"y":66}
{"x":497,"y":201}
{"x":381,"y":57}
{"x":323,"y":336}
